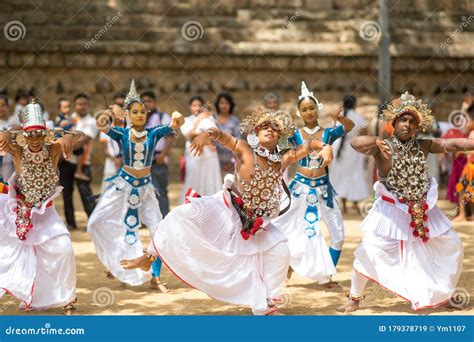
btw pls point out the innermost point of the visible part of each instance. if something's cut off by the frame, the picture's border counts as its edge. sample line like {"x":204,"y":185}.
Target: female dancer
{"x":130,"y":198}
{"x":37,"y":260}
{"x":225,"y":245}
{"x":313,"y":199}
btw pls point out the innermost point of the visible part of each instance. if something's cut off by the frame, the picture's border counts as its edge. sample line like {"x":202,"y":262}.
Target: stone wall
{"x":245,"y":46}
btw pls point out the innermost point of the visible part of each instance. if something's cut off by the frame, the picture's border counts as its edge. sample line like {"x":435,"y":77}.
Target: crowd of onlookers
{"x":204,"y":174}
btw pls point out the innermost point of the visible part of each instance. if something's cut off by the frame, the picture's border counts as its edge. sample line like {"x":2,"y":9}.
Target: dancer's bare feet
{"x":351,"y":305}
{"x":68,"y":309}
{"x":142,"y":263}
{"x":156,"y":284}
{"x":273,"y":311}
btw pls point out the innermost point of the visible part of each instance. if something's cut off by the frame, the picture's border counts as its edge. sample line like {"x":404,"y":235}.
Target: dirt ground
{"x":98,"y":295}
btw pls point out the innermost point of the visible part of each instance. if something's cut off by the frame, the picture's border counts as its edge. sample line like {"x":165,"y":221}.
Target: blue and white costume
{"x":126,"y":203}
{"x":312,"y":200}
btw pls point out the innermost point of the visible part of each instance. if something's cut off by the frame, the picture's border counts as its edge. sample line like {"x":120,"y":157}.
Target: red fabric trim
{"x":272,"y":311}
{"x":225,"y":201}
{"x":177,"y":276}
{"x":3,"y":188}
{"x":34,"y":128}
{"x":401,"y":249}
{"x":399,"y":295}
{"x":27,"y":305}
{"x":388,"y":199}
{"x":412,"y":112}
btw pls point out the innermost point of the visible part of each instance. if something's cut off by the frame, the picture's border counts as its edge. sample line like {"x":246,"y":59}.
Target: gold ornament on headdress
{"x":261,"y":115}
{"x":408,"y":104}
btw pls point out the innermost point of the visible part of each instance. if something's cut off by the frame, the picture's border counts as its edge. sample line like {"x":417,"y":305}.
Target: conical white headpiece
{"x":306,"y":94}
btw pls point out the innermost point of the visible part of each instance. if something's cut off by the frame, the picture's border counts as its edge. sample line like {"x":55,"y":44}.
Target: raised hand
{"x":177,"y":120}
{"x":5,"y":140}
{"x":67,"y":145}
{"x":334,"y":115}
{"x":326,"y":155}
{"x":118,"y":112}
{"x":104,"y":120}
{"x":383,"y":147}
{"x":201,"y":140}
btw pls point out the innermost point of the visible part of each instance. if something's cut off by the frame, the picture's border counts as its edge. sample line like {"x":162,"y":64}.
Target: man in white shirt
{"x":159,"y":168}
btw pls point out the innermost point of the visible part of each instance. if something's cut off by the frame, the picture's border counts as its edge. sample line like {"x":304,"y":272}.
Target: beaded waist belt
{"x":312,"y":182}
{"x":134,"y":181}
{"x":132,"y":219}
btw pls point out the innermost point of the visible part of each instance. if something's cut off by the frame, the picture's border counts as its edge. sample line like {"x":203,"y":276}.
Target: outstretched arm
{"x":451,"y":145}
{"x":293,"y":155}
{"x":371,"y":145}
{"x":70,"y":142}
{"x":229,"y":142}
{"x":6,"y":142}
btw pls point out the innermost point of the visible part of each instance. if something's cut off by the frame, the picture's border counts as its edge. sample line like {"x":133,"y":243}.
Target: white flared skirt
{"x":107,"y":229}
{"x":200,"y":242}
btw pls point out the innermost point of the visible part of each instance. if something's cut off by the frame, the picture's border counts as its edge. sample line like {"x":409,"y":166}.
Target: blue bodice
{"x":138,"y":155}
{"x":330,"y":135}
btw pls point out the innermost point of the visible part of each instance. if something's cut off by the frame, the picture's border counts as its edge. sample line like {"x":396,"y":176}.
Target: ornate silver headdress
{"x":306,"y":94}
{"x":132,"y":96}
{"x":33,"y":123}
{"x":260,"y":116}
{"x":408,"y":103}
{"x":32,"y":117}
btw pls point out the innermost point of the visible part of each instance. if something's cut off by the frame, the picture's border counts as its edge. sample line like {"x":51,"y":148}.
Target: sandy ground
{"x":98,"y":295}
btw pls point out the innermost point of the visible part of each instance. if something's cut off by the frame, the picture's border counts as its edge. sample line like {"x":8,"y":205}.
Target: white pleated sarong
{"x":39,"y":271}
{"x":423,"y":273}
{"x":107,"y":229}
{"x":200,"y":242}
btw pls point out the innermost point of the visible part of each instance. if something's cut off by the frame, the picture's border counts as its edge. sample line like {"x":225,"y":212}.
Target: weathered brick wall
{"x":247,"y":47}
